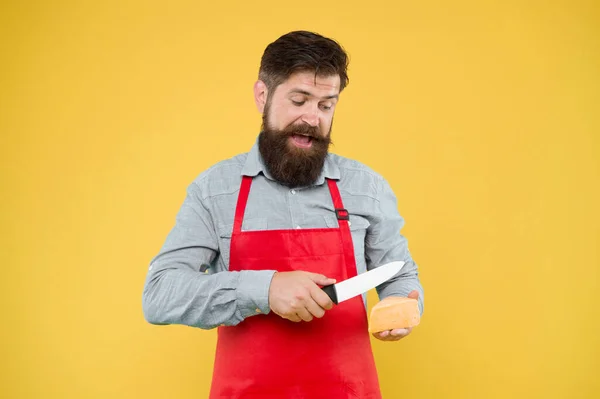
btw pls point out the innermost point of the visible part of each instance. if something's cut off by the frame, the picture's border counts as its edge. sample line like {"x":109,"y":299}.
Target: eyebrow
{"x":306,"y":93}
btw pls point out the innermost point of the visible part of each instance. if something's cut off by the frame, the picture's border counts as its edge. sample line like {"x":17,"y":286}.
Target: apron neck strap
{"x":341,"y":213}
{"x":240,"y":209}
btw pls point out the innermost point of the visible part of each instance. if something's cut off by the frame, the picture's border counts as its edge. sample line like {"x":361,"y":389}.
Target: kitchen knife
{"x":357,"y":285}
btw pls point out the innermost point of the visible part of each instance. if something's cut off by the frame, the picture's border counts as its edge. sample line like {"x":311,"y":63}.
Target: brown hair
{"x":302,"y":51}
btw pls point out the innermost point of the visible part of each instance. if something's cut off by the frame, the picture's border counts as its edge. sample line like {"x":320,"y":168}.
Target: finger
{"x":400,"y":332}
{"x":382,"y":336}
{"x":291,"y":317}
{"x":414,"y":294}
{"x":294,"y":318}
{"x":314,"y":308}
{"x":392,"y":335}
{"x":304,"y":314}
{"x":321,"y":298}
{"x":321,"y":279}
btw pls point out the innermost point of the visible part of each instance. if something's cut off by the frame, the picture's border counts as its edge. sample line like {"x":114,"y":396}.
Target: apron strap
{"x":343,"y":221}
{"x":341,"y":213}
{"x":240,"y":209}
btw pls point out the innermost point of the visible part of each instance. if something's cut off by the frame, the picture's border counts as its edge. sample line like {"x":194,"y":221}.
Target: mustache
{"x":306,"y":130}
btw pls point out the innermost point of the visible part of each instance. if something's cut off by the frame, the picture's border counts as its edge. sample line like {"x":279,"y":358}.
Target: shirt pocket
{"x":225,"y":231}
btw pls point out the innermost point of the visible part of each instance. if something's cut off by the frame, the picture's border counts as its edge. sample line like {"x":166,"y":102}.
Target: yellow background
{"x":483,"y":116}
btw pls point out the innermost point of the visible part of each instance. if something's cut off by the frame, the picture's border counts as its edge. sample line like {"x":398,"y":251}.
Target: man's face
{"x":297,"y":121}
{"x":301,"y":100}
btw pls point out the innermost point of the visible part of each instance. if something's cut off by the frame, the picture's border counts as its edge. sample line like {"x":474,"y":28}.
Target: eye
{"x":298,"y":103}
{"x":325,"y":107}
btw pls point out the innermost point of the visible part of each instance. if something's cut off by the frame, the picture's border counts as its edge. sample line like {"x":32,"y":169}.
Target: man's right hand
{"x":296,"y":296}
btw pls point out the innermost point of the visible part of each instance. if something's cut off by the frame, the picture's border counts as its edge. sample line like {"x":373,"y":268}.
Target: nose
{"x":311,"y":117}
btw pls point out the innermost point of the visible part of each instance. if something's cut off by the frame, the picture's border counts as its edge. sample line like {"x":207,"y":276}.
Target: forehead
{"x":318,"y":85}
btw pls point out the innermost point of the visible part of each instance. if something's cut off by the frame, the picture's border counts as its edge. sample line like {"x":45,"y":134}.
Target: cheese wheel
{"x":394,"y":312}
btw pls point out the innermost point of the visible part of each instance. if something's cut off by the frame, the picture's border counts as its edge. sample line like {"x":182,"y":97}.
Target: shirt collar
{"x":255,"y":165}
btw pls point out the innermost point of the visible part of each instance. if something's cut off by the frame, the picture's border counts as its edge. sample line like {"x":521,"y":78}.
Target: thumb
{"x":321,"y":279}
{"x":414,"y":294}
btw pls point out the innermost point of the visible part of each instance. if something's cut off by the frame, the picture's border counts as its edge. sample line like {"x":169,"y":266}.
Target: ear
{"x":260,"y":95}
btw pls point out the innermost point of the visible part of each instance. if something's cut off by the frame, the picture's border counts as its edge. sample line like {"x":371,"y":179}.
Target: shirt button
{"x":258,"y":310}
{"x":293,"y":192}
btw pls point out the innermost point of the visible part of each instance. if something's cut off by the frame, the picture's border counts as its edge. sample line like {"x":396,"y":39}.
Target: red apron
{"x":266,"y":356}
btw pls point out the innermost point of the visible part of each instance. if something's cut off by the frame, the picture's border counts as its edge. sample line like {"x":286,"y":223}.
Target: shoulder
{"x":356,"y":177}
{"x":221,"y":178}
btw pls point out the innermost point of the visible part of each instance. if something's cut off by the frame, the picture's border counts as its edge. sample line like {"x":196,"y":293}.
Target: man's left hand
{"x":398,"y":333}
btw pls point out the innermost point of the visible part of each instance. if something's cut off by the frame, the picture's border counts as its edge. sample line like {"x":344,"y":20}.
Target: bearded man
{"x":260,"y":234}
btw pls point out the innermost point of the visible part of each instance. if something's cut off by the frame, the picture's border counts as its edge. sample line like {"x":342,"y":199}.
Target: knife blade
{"x":339,"y":292}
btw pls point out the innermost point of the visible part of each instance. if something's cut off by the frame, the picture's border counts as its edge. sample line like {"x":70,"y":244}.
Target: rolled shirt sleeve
{"x":177,"y":292}
{"x":384,"y":243}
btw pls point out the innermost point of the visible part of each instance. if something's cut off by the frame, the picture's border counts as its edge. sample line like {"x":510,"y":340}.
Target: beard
{"x":290,"y":165}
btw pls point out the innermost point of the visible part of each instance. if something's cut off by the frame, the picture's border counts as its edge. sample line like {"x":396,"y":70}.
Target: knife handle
{"x":330,"y":290}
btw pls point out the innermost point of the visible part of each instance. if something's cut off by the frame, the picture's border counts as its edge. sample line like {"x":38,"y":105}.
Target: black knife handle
{"x":330,"y":290}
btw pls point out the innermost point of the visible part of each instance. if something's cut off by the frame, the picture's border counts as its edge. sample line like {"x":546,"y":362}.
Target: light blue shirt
{"x":177,"y":292}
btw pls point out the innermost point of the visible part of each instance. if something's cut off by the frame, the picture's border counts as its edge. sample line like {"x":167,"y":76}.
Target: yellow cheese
{"x":394,"y":312}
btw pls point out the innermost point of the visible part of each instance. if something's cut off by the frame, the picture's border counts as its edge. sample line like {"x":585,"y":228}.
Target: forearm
{"x":175,"y":294}
{"x":385,"y":244}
